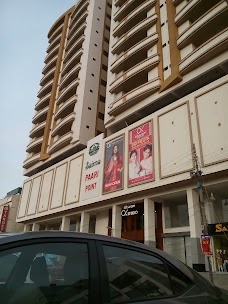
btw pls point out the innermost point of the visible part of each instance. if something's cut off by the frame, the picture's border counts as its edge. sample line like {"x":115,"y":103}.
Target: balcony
{"x":143,"y":67}
{"x":47,"y":77}
{"x":193,"y":10}
{"x":119,"y":2}
{"x":51,"y":54}
{"x":68,"y":92}
{"x":205,"y":27}
{"x":37,"y":130}
{"x":133,"y":97}
{"x":128,"y":40}
{"x":40,"y":116}
{"x":63,"y":125}
{"x":78,"y":24}
{"x":78,"y":12}
{"x":128,"y":7}
{"x":56,"y":33}
{"x":35,"y":144}
{"x":50,"y":65}
{"x":43,"y":102}
{"x":128,"y":58}
{"x":133,"y":18}
{"x":61,"y":142}
{"x":205,"y":52}
{"x":45,"y":89}
{"x":31,"y":160}
{"x":72,"y":62}
{"x":54,"y":43}
{"x":70,"y":76}
{"x":66,"y":108}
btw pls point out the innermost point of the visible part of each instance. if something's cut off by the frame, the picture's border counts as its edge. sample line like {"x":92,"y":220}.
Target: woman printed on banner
{"x":134,"y":165}
{"x":113,"y":169}
{"x":147,"y":161}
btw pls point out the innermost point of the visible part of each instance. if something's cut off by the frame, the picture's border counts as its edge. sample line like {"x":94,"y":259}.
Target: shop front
{"x":219,"y":235}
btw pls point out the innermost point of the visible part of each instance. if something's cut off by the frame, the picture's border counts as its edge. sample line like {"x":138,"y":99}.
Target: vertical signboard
{"x":92,"y":168}
{"x":113,"y":165}
{"x":206,"y":244}
{"x":140,"y":153}
{"x":5,"y":213}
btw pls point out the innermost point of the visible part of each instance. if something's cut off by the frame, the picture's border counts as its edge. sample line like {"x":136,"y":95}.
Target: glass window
{"x":7,"y":263}
{"x":176,"y":214}
{"x":57,"y":273}
{"x":135,"y":276}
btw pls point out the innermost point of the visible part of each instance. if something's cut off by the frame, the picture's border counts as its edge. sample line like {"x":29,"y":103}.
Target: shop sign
{"x":206,"y":244}
{"x":125,"y":211}
{"x":140,"y":155}
{"x":5,"y":213}
{"x":92,"y":168}
{"x":218,"y":228}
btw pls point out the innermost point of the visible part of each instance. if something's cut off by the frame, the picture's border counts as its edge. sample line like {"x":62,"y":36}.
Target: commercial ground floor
{"x":169,"y":219}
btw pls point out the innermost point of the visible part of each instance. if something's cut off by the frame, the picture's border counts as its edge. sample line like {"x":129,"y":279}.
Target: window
{"x":47,"y":271}
{"x":135,"y":276}
{"x":7,"y":263}
{"x":103,"y":82}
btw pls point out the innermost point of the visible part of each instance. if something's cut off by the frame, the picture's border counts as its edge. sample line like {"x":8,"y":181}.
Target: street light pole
{"x":197,"y":173}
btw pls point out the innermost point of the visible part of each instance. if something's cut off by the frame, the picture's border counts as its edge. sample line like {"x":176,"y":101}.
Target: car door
{"x":132,"y":275}
{"x":50,"y":271}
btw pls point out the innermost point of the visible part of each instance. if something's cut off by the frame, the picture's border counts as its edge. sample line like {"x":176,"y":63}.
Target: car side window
{"x":133,"y":275}
{"x":7,"y":263}
{"x":50,"y":273}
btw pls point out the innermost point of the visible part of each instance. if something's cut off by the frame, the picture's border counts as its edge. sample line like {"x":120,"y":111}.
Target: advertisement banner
{"x":140,"y":154}
{"x":113,"y":165}
{"x":92,"y":168}
{"x":205,"y":245}
{"x":5,"y":213}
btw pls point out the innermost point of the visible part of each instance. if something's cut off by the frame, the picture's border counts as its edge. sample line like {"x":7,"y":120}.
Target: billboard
{"x":140,"y":155}
{"x":3,"y":222}
{"x":92,"y":168}
{"x":113,"y":165}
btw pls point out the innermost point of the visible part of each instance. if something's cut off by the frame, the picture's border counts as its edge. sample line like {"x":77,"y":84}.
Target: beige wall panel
{"x":212,"y":108}
{"x":175,"y":141}
{"x":24,"y":199}
{"x":45,"y":191}
{"x":59,"y":185}
{"x":74,"y":180}
{"x":34,"y":196}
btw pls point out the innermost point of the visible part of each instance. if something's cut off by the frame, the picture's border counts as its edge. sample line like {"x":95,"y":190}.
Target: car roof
{"x":32,"y":235}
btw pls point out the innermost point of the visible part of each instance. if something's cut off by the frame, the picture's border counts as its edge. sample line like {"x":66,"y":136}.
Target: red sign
{"x":4,"y":218}
{"x":141,"y":163}
{"x":205,"y":245}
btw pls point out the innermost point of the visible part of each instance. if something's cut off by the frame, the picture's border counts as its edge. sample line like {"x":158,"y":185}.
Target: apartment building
{"x":167,"y":83}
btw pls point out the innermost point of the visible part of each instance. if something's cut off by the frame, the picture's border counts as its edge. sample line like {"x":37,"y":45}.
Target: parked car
{"x":96,"y":269}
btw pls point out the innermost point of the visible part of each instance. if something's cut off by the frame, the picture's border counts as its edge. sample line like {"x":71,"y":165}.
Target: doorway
{"x":158,"y":225}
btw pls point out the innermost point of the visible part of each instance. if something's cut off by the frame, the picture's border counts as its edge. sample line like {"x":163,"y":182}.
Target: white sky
{"x":24,"y":25}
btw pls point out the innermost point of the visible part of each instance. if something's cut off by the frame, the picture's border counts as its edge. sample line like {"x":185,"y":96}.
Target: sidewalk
{"x":220,"y":279}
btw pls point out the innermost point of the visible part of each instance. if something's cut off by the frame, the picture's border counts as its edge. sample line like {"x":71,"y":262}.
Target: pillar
{"x":198,"y":259}
{"x":102,"y":223}
{"x":84,"y":226}
{"x":149,"y":223}
{"x":35,"y":227}
{"x":116,"y":221}
{"x":65,"y":225}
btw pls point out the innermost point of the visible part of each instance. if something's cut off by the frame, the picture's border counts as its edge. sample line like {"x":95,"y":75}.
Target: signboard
{"x":140,"y":153}
{"x":127,"y":210}
{"x":218,"y":228}
{"x":92,"y":168}
{"x":205,"y":245}
{"x":113,"y":165}
{"x":5,"y":213}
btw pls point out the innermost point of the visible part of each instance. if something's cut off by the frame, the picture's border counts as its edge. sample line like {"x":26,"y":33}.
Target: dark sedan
{"x":76,"y":268}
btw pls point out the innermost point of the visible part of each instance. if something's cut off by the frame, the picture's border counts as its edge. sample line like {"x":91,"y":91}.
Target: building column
{"x":65,"y":225}
{"x":27,"y":227}
{"x":102,"y":223}
{"x":84,"y":225}
{"x":35,"y":227}
{"x":116,"y":221}
{"x":149,"y":223}
{"x":198,"y":259}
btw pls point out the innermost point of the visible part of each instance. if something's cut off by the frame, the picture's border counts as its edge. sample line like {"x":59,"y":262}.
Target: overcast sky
{"x":24,"y":25}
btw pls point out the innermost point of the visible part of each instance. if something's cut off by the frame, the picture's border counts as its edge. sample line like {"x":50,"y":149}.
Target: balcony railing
{"x":61,"y":142}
